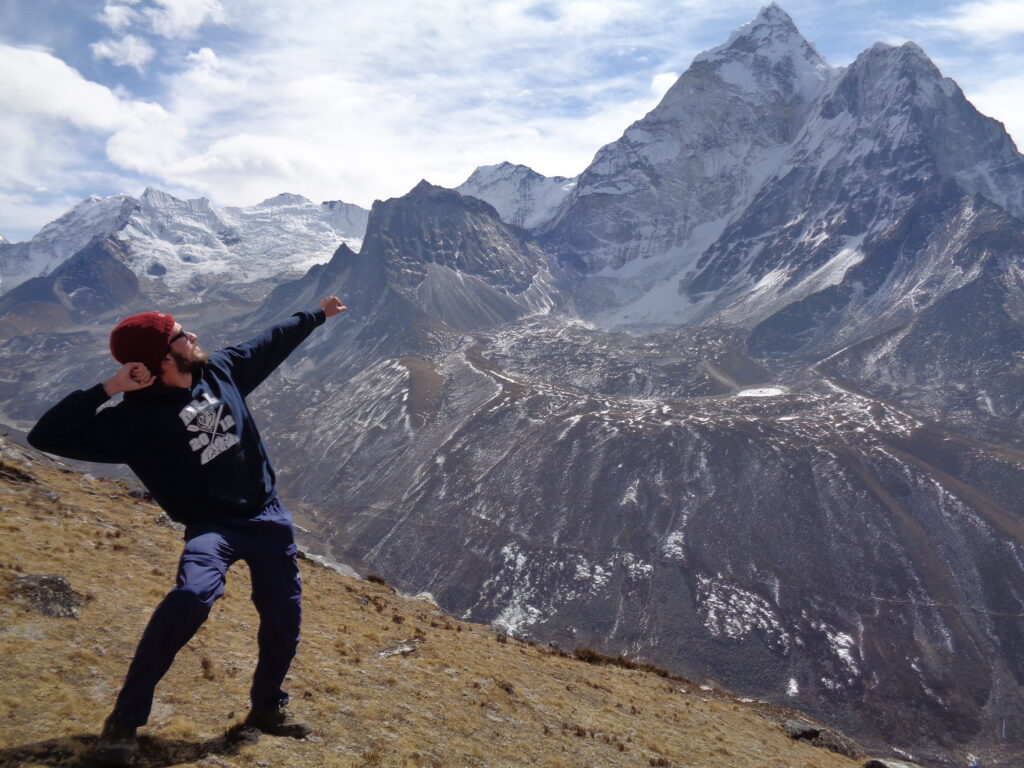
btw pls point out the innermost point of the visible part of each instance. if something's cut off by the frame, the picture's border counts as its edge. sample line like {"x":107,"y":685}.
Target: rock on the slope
{"x":819,"y":736}
{"x":49,"y":594}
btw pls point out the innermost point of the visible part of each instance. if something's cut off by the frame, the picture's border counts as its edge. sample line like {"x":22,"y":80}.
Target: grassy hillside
{"x":460,"y":694}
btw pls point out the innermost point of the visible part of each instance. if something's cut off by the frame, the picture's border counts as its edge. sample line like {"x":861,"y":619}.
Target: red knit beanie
{"x":142,"y":338}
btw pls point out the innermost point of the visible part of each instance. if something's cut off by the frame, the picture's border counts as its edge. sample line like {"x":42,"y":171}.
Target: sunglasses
{"x":179,"y":335}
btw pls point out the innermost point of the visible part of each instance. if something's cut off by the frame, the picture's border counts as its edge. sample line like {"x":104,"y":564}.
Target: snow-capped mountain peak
{"x":285,"y":198}
{"x":771,"y":26}
{"x":768,"y":53}
{"x":762,"y":174}
{"x":520,"y":195}
{"x":650,"y":203}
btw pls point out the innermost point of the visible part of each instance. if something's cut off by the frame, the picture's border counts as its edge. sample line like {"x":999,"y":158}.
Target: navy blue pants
{"x":267,"y":544}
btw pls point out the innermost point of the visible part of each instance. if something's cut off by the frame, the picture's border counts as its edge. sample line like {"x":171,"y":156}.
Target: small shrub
{"x":593,"y":657}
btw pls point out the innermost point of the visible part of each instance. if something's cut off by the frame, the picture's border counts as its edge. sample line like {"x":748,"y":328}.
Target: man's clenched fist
{"x":332,"y":306}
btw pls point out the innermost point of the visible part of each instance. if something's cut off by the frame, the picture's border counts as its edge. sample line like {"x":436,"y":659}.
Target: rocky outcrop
{"x":818,"y":736}
{"x":49,"y":594}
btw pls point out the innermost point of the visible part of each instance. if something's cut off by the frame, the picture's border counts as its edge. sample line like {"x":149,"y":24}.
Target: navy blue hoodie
{"x":197,"y":450}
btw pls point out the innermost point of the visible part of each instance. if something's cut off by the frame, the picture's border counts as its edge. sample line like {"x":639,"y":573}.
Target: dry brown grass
{"x":462,"y":698}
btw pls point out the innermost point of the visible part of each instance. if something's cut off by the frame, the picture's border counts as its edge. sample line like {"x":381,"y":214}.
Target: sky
{"x":241,"y":100}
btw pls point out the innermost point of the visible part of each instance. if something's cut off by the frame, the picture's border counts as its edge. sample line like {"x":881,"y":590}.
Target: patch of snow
{"x":516,"y":616}
{"x":729,"y":611}
{"x":761,"y":392}
{"x":635,"y":567}
{"x":673,"y":546}
{"x":842,"y":644}
{"x":630,"y":496}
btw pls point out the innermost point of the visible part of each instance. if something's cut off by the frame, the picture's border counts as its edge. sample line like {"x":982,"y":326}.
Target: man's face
{"x":184,"y":349}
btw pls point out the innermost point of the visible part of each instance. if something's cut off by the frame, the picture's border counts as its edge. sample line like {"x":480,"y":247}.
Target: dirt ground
{"x":385,"y":680}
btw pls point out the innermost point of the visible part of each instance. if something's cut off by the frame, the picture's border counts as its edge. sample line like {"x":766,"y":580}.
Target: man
{"x":185,"y":429}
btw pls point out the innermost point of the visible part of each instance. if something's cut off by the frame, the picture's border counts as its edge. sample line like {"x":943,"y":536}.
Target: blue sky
{"x":239,"y":100}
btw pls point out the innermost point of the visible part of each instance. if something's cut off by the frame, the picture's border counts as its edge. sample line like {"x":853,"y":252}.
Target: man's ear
{"x":167,"y":361}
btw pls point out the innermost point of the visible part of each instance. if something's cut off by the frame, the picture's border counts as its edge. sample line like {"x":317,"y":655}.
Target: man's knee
{"x":280,"y":601}
{"x":190,"y":601}
{"x":276,"y":584}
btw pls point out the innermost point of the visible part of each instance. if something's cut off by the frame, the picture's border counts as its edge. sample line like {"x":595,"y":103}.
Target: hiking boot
{"x":277,"y":722}
{"x":117,"y":744}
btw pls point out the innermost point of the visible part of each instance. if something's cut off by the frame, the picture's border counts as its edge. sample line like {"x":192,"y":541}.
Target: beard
{"x":190,"y":365}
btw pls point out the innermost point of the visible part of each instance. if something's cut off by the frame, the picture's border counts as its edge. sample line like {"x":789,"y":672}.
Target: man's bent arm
{"x":73,"y":429}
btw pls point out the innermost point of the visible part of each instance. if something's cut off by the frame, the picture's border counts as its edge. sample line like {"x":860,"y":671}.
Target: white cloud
{"x":36,"y":83}
{"x":182,"y":18}
{"x":204,"y":59}
{"x":119,"y":16}
{"x":129,"y":51}
{"x":984,"y":21}
{"x":55,"y":120}
{"x":148,"y":141}
{"x":661,"y":82}
{"x":361,"y":101}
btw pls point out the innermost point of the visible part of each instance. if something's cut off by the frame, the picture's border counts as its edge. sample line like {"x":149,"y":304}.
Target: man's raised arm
{"x":253,"y":360}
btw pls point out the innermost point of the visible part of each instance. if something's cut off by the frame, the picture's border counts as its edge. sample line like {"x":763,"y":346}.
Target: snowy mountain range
{"x":174,"y":245}
{"x":742,"y":399}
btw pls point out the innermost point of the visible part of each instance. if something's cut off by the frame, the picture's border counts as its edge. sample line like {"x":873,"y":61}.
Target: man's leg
{"x":277,"y":594}
{"x":201,"y":572}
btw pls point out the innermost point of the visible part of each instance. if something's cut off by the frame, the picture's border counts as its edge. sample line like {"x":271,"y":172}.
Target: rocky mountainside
{"x":813,"y":545}
{"x":433,"y":265}
{"x":765,"y":177}
{"x":746,"y":406}
{"x":386,"y":680}
{"x":89,"y":283}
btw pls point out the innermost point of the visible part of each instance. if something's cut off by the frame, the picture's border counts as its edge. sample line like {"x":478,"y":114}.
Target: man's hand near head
{"x":332,"y":306}
{"x":132,"y":376}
